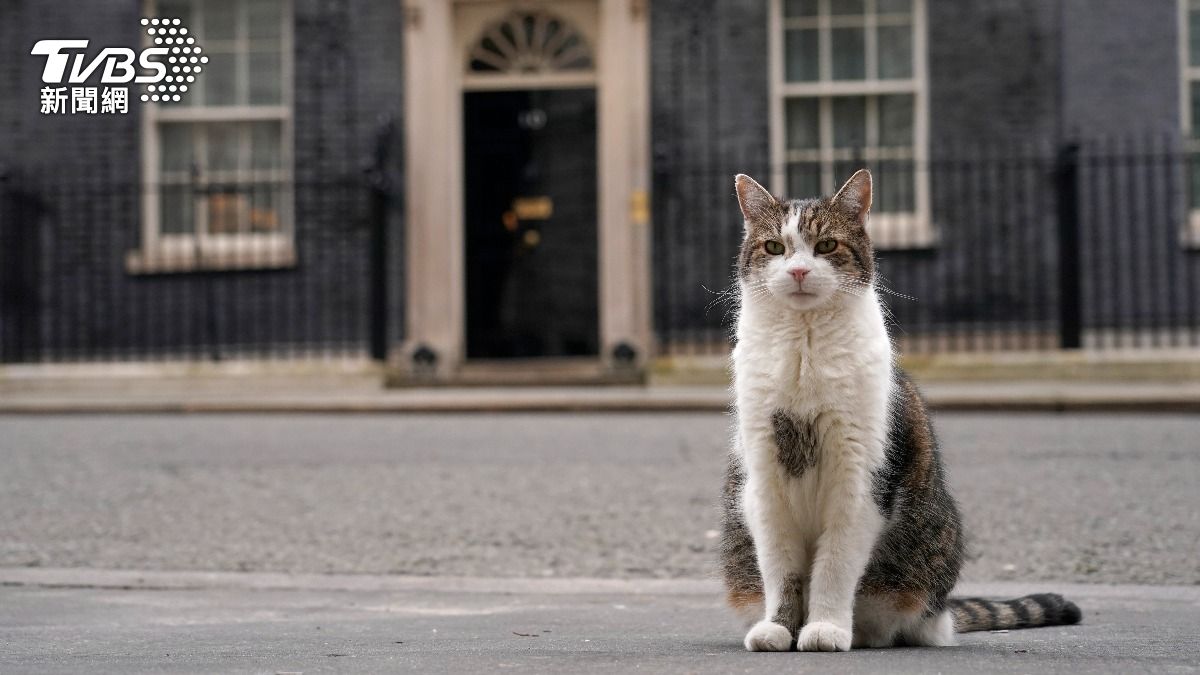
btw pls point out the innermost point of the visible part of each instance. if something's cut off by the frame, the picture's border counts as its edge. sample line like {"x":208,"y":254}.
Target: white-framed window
{"x":1189,"y":74}
{"x":849,"y":88}
{"x":217,"y":165}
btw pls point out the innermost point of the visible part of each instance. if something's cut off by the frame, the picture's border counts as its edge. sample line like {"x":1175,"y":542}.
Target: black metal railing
{"x":96,"y":270}
{"x":1092,"y":245}
{"x":1083,"y":245}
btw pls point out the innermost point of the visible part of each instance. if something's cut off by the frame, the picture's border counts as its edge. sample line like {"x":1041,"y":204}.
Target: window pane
{"x":800,"y":54}
{"x":220,"y":20}
{"x":175,"y":214}
{"x":800,"y":8}
{"x":842,"y":171}
{"x":264,"y":145}
{"x":894,"y":6}
{"x":895,"y":52}
{"x":219,"y":78}
{"x":849,"y":122}
{"x":849,"y":60}
{"x":1194,"y":170}
{"x":264,"y":208}
{"x":894,"y":187}
{"x":224,"y":141}
{"x":265,"y":78}
{"x":264,"y":19}
{"x":1195,"y":110}
{"x":804,"y":180}
{"x":1194,"y":36}
{"x":846,"y":6}
{"x":175,"y":148}
{"x":803,"y":123}
{"x":225,"y":210}
{"x":175,"y":9}
{"x":896,"y":120}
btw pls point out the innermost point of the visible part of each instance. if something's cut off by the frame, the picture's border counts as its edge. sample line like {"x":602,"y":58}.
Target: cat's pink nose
{"x":798,"y":273}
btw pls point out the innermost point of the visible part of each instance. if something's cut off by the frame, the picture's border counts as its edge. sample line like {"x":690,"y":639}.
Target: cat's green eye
{"x":826,"y":246}
{"x":774,"y":247}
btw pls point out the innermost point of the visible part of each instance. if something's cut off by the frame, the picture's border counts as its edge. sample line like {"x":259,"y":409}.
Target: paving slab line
{"x":242,"y":398}
{"x":168,"y":580}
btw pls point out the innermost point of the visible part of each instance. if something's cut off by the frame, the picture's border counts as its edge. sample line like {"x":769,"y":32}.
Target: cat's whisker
{"x":897,"y":294}
{"x":879,"y":287}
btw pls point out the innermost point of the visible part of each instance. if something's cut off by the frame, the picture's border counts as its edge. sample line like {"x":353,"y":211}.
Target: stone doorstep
{"x":534,"y":372}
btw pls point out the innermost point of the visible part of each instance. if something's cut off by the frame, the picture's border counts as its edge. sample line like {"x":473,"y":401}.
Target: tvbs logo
{"x":118,"y":63}
{"x":167,"y":69}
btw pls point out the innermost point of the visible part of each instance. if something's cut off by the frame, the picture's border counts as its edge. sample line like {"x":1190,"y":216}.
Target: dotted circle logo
{"x":185,"y":59}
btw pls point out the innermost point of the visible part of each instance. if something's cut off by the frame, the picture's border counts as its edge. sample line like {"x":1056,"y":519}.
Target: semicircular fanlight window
{"x":529,"y":42}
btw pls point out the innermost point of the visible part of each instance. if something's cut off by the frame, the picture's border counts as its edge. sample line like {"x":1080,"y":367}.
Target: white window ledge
{"x":899,"y":231}
{"x":175,"y":257}
{"x":1191,"y":233}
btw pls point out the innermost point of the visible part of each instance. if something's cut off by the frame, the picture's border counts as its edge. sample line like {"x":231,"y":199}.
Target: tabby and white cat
{"x":838,"y":528}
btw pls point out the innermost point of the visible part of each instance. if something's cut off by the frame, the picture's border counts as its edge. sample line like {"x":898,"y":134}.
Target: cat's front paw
{"x":768,"y":636}
{"x":822,"y":636}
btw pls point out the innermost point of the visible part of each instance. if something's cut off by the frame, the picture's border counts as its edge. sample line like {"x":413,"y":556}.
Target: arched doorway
{"x":527,"y":177}
{"x":530,"y":187}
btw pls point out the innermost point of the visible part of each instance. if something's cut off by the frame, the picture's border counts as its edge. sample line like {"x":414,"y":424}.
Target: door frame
{"x":435,"y":344}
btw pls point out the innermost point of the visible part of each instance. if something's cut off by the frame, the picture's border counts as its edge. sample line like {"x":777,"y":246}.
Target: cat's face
{"x":804,"y":253}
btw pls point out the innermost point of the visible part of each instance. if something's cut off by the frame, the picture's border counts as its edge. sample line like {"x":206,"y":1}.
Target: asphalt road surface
{"x":1084,"y":498}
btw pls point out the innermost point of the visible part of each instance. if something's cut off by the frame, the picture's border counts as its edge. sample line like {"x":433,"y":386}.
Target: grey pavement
{"x":1081,"y":497}
{"x":233,"y":623}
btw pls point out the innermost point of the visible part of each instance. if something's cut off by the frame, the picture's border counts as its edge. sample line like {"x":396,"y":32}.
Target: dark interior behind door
{"x":530,"y":206}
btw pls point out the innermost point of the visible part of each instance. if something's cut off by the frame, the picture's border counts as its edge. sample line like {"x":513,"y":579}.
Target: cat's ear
{"x":855,"y":196}
{"x":758,"y":205}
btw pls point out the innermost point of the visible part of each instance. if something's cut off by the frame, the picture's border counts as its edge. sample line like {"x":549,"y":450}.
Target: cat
{"x":838,"y":528}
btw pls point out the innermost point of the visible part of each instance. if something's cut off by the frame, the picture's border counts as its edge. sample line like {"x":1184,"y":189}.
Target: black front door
{"x":531,"y":223}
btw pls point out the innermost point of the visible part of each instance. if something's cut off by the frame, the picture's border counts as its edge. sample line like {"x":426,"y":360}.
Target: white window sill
{"x":1190,"y":237}
{"x":900,"y":231}
{"x":228,"y":256}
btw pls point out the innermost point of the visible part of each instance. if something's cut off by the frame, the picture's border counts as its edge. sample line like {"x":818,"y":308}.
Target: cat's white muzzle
{"x":815,"y":290}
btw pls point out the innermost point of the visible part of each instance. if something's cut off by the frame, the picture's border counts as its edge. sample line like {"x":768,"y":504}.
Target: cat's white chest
{"x":832,"y":373}
{"x":806,"y":376}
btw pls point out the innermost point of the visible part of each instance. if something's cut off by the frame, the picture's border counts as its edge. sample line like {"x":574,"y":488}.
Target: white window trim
{"x":1189,"y":75}
{"x":159,"y":253}
{"x":888,"y":230}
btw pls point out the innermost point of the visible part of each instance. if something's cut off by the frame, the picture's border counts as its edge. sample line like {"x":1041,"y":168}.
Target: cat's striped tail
{"x":1031,"y":611}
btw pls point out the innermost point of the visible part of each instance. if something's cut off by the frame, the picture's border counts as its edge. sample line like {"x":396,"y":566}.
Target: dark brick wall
{"x":1010,"y":80}
{"x":709,"y":122}
{"x":993,"y":70}
{"x":80,"y":174}
{"x":1007,"y":78}
{"x":994,"y":113}
{"x":1121,"y":86}
{"x":1120,"y":67}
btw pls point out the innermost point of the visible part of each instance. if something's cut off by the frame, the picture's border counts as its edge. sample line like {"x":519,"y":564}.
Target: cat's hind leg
{"x":739,"y":566}
{"x":930,"y":631}
{"x":876,"y":621}
{"x":899,"y":618}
